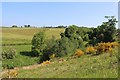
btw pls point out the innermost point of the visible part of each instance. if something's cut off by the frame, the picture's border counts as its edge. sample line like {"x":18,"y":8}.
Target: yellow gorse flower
{"x":12,"y":73}
{"x":106,"y":47}
{"x":90,"y":50}
{"x":46,"y":62}
{"x":79,"y":52}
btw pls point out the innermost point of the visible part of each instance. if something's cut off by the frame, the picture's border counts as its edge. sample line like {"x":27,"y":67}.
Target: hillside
{"x":101,"y":66}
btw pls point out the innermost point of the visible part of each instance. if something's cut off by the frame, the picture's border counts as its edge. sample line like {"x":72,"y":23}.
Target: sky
{"x":119,"y":14}
{"x":88,"y":14}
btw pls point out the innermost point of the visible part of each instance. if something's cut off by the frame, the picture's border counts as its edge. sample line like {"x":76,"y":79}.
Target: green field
{"x":24,"y":35}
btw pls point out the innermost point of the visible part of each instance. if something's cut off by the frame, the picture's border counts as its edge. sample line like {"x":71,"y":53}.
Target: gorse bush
{"x":106,"y":47}
{"x":102,"y":48}
{"x":114,"y":44}
{"x":9,"y":53}
{"x":90,"y":50}
{"x":46,"y":63}
{"x":79,"y":53}
{"x":12,"y":73}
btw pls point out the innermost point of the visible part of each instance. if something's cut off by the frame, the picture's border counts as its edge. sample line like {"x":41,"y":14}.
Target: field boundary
{"x":15,"y":44}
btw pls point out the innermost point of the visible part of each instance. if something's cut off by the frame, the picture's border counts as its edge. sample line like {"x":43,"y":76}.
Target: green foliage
{"x":118,"y":35}
{"x":14,"y":26}
{"x":26,"y":26}
{"x":9,"y":53}
{"x":71,"y":40}
{"x":71,"y":30}
{"x":38,"y":43}
{"x":49,"y":48}
{"x":10,"y":66}
{"x":20,"y":59}
{"x":66,"y":47}
{"x":105,"y":32}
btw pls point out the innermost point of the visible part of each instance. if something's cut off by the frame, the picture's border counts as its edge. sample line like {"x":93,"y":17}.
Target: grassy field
{"x":24,"y":35}
{"x":21,"y":58}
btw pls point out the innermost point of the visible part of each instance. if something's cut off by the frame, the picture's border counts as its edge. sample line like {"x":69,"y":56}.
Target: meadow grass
{"x":21,"y":59}
{"x":25,"y":35}
{"x":22,"y":36}
{"x":101,"y":66}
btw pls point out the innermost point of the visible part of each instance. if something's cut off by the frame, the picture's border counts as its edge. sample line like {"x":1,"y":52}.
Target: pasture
{"x":24,"y":35}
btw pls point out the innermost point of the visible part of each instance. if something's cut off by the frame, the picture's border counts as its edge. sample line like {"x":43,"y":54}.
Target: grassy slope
{"x":24,"y":35}
{"x":21,"y":60}
{"x":101,"y":66}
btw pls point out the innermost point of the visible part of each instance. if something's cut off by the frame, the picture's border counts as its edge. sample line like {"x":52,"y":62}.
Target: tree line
{"x":74,"y":37}
{"x":28,"y":26}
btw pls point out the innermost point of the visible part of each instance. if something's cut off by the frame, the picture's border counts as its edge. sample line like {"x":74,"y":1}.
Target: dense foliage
{"x":9,"y":53}
{"x":38,"y":43}
{"x":105,"y":32}
{"x":73,"y":38}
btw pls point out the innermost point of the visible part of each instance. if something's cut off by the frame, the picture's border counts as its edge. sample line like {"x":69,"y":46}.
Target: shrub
{"x":51,"y":56}
{"x":8,"y":66}
{"x":114,"y":44}
{"x":38,"y":43}
{"x":90,"y":50}
{"x":12,"y":73}
{"x":79,"y":53}
{"x":64,"y":47}
{"x":9,"y":53}
{"x":106,"y":47}
{"x":34,"y":53}
{"x":49,"y":48}
{"x":46,"y":62}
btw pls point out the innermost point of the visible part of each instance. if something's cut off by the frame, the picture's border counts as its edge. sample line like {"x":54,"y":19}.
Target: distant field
{"x":24,"y":35}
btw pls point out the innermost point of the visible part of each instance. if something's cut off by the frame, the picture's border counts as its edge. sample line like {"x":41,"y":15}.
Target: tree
{"x":105,"y":32}
{"x":38,"y":43}
{"x":14,"y":26}
{"x":69,"y":42}
{"x":26,"y":26}
{"x":64,"y":47}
